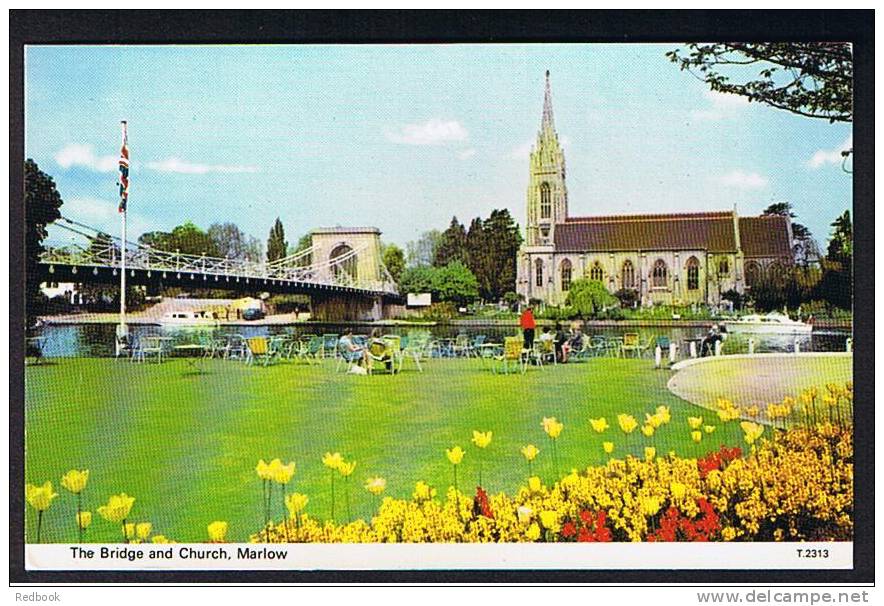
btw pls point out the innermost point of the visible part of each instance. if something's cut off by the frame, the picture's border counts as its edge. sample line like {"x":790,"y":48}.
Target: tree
{"x":277,"y":247}
{"x":187,"y":239}
{"x":230,"y":241}
{"x":42,"y":203}
{"x":417,"y":279}
{"x":452,"y":245}
{"x":479,"y":256}
{"x":501,"y":240}
{"x":804,"y":247}
{"x":589,"y":298}
{"x":423,"y":250}
{"x":305,"y":242}
{"x":836,"y":285}
{"x":813,"y":79}
{"x":394,"y":260}
{"x":455,"y":283}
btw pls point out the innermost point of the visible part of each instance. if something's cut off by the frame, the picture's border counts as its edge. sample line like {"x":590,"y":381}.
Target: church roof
{"x":712,"y":231}
{"x":765,"y":236}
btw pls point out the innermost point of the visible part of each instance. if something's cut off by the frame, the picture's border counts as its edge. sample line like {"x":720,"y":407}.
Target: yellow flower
{"x":550,"y":520}
{"x":524,"y":513}
{"x":217,"y":531}
{"x":40,"y":497}
{"x":332,"y":461}
{"x":534,"y":484}
{"x":530,"y":452}
{"x":142,"y":530}
{"x":649,"y":505}
{"x":455,"y":455}
{"x":752,"y":431}
{"x":552,"y":427}
{"x":695,"y":422}
{"x":75,"y":480}
{"x":282,"y":474}
{"x":663,"y":412}
{"x":599,"y":425}
{"x":296,"y":502}
{"x":263,"y":470}
{"x":608,"y":446}
{"x":648,"y":430}
{"x":627,"y":423}
{"x":375,"y":485}
{"x":677,"y":489}
{"x":423,"y":492}
{"x":346,"y":469}
{"x":84,"y":518}
{"x":650,"y":452}
{"x":696,"y":436}
{"x":481,"y":439}
{"x":117,"y":508}
{"x":654,"y":420}
{"x":752,"y":411}
{"x":159,"y":539}
{"x":709,"y":428}
{"x":533,"y":532}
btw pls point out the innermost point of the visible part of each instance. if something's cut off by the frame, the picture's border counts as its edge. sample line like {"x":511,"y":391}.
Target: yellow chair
{"x":512,"y":353}
{"x":379,"y":351}
{"x":259,"y":347}
{"x":631,"y":343}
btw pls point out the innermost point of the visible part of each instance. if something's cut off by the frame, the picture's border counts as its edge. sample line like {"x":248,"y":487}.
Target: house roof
{"x":712,"y":231}
{"x":765,"y":236}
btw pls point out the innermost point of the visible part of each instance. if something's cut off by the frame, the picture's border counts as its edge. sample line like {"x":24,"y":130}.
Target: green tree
{"x":589,"y":298}
{"x":502,"y":240}
{"x":813,"y":79}
{"x":42,"y":203}
{"x":394,"y":260}
{"x":417,"y":279}
{"x":452,"y":245}
{"x":804,"y":247}
{"x":836,"y":285}
{"x":277,"y":247}
{"x":187,"y":239}
{"x":479,"y":256}
{"x":455,"y":283}
{"x":423,"y":250}
{"x":305,"y":242}
{"x":230,"y":241}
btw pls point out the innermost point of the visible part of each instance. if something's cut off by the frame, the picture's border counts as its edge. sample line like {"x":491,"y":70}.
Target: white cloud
{"x":742,"y":180}
{"x":467,"y":153}
{"x":721,"y":106}
{"x":432,"y":132}
{"x":177,"y":165}
{"x":830,"y":156}
{"x":78,"y":155}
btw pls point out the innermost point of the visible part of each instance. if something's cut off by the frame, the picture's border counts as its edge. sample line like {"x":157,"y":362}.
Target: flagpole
{"x":124,"y":198}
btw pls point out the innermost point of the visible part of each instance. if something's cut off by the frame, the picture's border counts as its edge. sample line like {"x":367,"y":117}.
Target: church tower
{"x":547,"y":194}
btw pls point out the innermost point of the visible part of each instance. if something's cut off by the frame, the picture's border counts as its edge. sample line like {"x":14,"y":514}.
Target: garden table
{"x":192,"y":353}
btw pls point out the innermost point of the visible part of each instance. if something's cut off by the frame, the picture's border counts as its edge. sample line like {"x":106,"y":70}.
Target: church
{"x":667,"y":258}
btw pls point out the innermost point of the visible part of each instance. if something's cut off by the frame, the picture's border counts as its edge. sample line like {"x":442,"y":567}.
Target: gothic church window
{"x":538,"y":273}
{"x":693,"y":273}
{"x":659,"y":274}
{"x":628,"y":277}
{"x":753,"y":274}
{"x":545,"y":201}
{"x":566,"y":275}
{"x":596,"y":272}
{"x":723,"y":267}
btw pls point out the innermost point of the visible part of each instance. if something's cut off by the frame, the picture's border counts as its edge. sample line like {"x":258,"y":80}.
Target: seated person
{"x":547,"y":342}
{"x":715,"y":335}
{"x":350,"y":350}
{"x":380,"y":349}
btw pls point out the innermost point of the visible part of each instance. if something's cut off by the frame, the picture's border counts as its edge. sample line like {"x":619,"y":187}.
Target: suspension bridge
{"x":341,"y":272}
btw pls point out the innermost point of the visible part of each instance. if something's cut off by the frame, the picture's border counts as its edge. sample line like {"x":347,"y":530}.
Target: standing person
{"x":561,"y":339}
{"x":528,"y":325}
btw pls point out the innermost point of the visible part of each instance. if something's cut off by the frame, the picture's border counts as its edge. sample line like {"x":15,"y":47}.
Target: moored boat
{"x":772,"y":323}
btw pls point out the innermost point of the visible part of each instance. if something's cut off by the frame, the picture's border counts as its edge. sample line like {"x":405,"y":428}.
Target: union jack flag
{"x":124,"y":171}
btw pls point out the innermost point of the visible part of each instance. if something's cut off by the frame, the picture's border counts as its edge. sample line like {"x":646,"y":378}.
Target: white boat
{"x":772,"y":323}
{"x":188,"y":318}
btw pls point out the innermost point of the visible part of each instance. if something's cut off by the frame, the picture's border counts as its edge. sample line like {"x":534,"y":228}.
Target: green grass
{"x":185,"y":445}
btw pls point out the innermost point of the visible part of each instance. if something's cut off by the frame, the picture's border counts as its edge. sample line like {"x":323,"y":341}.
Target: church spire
{"x":547,"y":122}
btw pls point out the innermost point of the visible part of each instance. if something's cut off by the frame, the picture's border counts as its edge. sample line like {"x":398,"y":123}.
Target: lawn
{"x":185,"y":445}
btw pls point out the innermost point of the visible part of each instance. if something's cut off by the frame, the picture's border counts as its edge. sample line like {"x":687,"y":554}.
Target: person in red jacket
{"x":527,"y":323}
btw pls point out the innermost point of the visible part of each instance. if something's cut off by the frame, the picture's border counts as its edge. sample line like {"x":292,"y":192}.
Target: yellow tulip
{"x":296,"y":502}
{"x":552,"y":427}
{"x":142,"y":530}
{"x":282,"y":474}
{"x":530,"y":452}
{"x":129,"y":530}
{"x":263,"y":470}
{"x":524,"y":513}
{"x":648,"y":430}
{"x":654,"y":420}
{"x":217,"y":531}
{"x":159,"y":539}
{"x":375,"y":485}
{"x":40,"y":497}
{"x":550,"y":520}
{"x":75,"y":480}
{"x":649,"y":505}
{"x":599,"y":425}
{"x":627,"y":423}
{"x":677,"y":489}
{"x":752,"y":411}
{"x":709,"y":428}
{"x":650,"y":452}
{"x":332,"y":461}
{"x":534,"y":484}
{"x":455,"y":455}
{"x":117,"y":508}
{"x":608,"y":446}
{"x":695,"y":422}
{"x":84,"y":518}
{"x":481,"y":439}
{"x":423,"y":492}
{"x":346,"y":469}
{"x":696,"y":436}
{"x":751,"y":430}
{"x":533,"y":532}
{"x":663,"y":412}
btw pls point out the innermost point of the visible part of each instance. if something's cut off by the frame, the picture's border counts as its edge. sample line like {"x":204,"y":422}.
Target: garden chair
{"x":461,"y":346}
{"x":378,"y":351}
{"x":394,"y":348}
{"x":512,"y":354}
{"x":546,"y":352}
{"x":329,"y":345}
{"x":347,"y":358}
{"x":310,"y":351}
{"x":414,"y":348}
{"x":476,"y":345}
{"x":149,"y":346}
{"x":631,"y":344}
{"x":585,"y":352}
{"x":124,"y":346}
{"x":648,"y":346}
{"x":259,"y":348}
{"x":236,"y":348}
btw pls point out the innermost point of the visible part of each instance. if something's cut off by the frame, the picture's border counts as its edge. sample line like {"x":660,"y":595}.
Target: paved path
{"x":758,"y":379}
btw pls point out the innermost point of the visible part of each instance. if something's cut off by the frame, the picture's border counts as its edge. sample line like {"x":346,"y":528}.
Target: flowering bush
{"x":797,"y":485}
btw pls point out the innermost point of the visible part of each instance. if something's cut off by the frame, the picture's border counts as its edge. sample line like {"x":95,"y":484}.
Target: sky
{"x":403,"y":137}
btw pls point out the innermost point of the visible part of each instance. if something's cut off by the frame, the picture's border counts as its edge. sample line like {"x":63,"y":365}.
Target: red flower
{"x":569,"y":529}
{"x":481,"y":505}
